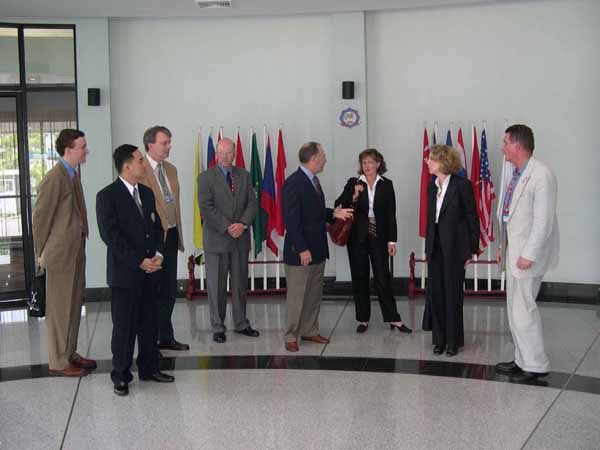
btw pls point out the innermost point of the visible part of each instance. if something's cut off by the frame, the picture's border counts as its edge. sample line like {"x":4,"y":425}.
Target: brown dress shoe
{"x":318,"y":339}
{"x":83,"y":363}
{"x":292,"y":346}
{"x":69,"y":372}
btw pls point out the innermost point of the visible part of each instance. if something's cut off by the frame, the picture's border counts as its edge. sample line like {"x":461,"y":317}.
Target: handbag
{"x":37,"y":299}
{"x":339,"y":230}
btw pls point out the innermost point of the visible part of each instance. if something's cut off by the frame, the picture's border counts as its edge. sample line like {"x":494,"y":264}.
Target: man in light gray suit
{"x":227,"y":204}
{"x":530,"y":242}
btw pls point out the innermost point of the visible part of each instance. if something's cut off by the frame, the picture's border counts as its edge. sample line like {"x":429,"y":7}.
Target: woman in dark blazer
{"x":452,"y":238}
{"x":373,"y":236}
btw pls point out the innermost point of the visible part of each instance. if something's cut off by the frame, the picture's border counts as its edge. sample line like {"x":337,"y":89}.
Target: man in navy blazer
{"x":306,"y":249}
{"x":133,"y":234}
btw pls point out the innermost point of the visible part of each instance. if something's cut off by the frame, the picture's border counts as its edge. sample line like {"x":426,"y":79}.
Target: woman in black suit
{"x":452,"y":238}
{"x":373,"y":236}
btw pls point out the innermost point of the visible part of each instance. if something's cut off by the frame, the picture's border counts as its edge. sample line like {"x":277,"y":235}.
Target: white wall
{"x":232,"y":72}
{"x":531,"y":62}
{"x":93,"y":72}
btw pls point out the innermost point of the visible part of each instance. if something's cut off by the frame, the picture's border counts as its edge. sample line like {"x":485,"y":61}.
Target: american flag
{"x":487,"y":194}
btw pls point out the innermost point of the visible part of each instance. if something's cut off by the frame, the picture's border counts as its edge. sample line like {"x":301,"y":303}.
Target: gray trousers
{"x":218,"y":266}
{"x":304,"y":292}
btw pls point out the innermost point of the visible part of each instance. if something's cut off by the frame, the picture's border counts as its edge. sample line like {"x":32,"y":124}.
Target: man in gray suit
{"x":227,"y":204}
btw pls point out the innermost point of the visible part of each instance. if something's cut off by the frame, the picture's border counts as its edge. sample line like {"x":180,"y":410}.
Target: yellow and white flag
{"x":197,"y":218}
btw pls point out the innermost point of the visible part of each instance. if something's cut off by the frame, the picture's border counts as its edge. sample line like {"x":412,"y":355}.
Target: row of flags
{"x":268,"y":224}
{"x":481,"y":179}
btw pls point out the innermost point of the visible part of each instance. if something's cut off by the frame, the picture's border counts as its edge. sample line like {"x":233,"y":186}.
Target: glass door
{"x":14,"y":259}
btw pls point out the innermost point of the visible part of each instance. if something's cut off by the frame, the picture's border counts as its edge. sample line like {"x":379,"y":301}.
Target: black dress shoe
{"x":452,"y":351}
{"x":508,"y":368}
{"x":121,"y":389}
{"x":248,"y":331}
{"x":402,"y":328}
{"x":173,"y":345}
{"x":523,"y":376}
{"x":159,"y":377}
{"x":361,"y":328}
{"x":219,"y":338}
{"x":438,"y":349}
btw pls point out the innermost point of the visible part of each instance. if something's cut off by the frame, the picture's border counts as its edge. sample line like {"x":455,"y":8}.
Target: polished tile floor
{"x":380,"y":390}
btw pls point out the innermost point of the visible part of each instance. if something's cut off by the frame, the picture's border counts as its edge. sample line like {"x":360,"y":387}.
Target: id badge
{"x":168,"y":198}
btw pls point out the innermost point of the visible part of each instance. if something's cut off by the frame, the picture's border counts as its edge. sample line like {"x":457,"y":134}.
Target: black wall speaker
{"x":93,"y":97}
{"x":347,"y":90}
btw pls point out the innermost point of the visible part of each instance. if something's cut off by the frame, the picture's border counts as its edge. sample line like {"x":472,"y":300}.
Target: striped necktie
{"x":162,"y":179}
{"x":138,"y":202}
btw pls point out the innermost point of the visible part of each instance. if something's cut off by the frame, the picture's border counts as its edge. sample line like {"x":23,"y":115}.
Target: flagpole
{"x":266,"y":246}
{"x":435,"y":127}
{"x":490,"y":225}
{"x":474,"y":187}
{"x":252,"y":238}
{"x":500,"y":220}
{"x":200,"y":156}
{"x":278,"y":257}
{"x":423,"y":265}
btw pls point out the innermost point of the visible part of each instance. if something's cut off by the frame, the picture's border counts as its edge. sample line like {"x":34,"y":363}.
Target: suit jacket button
{"x":147,"y":236}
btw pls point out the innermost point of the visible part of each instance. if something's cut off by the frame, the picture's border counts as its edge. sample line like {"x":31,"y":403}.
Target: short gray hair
{"x":307,"y":151}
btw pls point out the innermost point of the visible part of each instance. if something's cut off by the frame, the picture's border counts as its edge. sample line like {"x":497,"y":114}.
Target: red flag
{"x":239,"y":152}
{"x":267,"y":197}
{"x":463,"y":157}
{"x":279,"y":180}
{"x":219,"y":135}
{"x":425,"y":177}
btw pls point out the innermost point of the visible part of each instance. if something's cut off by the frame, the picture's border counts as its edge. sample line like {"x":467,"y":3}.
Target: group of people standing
{"x":139,"y":219}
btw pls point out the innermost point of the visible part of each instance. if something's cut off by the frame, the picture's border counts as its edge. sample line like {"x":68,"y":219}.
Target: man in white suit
{"x":529,"y":241}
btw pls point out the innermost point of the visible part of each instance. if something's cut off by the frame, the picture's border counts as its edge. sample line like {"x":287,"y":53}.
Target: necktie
{"x":317,"y":185}
{"x":80,"y":204}
{"x":162,"y":179}
{"x":229,"y":181}
{"x":138,"y":202}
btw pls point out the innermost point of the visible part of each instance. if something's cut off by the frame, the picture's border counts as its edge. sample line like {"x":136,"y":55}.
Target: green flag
{"x":259,"y":227}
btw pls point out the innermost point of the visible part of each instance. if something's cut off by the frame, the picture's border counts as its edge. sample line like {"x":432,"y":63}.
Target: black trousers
{"x":359,"y":254}
{"x":168,"y":287}
{"x":134,"y":316}
{"x":445,"y":295}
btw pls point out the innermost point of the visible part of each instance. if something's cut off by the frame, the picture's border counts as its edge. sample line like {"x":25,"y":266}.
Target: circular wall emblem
{"x":349,"y":118}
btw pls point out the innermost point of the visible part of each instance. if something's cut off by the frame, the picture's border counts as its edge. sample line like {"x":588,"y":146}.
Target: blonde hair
{"x":448,"y":157}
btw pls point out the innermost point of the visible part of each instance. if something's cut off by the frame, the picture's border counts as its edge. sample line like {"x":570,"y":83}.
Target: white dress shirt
{"x":130,"y":188}
{"x":441,"y":193}
{"x":154,"y":166}
{"x":371,"y":195}
{"x":370,"y":192}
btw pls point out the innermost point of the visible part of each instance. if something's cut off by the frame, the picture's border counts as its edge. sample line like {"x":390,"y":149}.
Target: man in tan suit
{"x":161,"y":177}
{"x":530,"y":243}
{"x":60,"y":229}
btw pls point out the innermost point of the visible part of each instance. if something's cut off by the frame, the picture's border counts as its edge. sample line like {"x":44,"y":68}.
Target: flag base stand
{"x":414,"y":291}
{"x":193,"y":293}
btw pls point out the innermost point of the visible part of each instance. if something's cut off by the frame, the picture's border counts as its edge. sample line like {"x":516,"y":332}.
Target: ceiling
{"x":188,"y":8}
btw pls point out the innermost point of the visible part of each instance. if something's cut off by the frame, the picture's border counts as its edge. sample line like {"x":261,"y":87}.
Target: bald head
{"x":225,"y":152}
